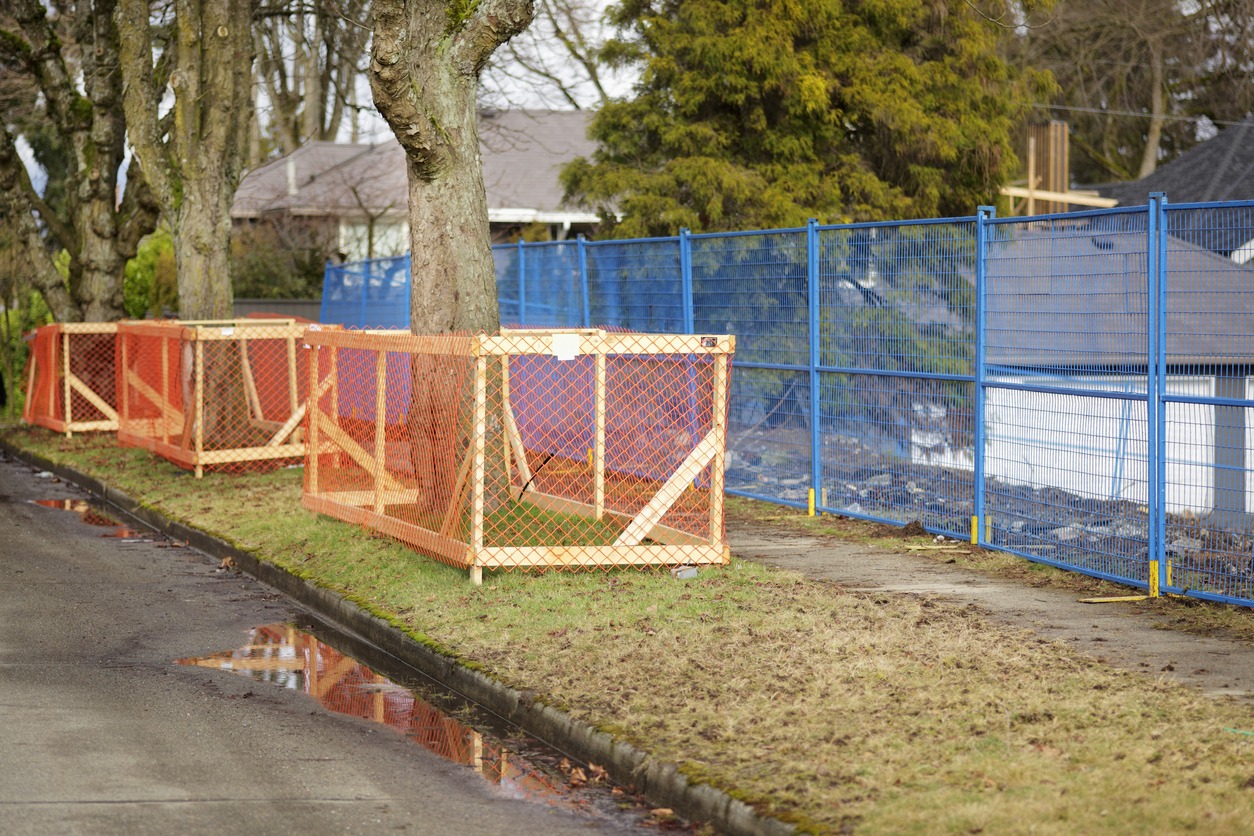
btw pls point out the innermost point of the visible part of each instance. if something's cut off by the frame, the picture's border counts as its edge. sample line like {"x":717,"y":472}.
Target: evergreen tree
{"x":761,"y":114}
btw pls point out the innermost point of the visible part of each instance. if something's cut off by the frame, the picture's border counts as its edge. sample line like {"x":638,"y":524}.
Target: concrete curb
{"x":661,"y":783}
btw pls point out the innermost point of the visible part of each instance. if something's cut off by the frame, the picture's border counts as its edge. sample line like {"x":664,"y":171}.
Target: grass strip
{"x":834,"y":710}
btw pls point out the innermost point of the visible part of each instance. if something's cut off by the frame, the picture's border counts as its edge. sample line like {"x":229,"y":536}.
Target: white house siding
{"x":1096,"y":447}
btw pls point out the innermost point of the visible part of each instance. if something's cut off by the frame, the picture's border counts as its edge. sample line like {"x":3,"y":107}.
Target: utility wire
{"x":1104,"y":111}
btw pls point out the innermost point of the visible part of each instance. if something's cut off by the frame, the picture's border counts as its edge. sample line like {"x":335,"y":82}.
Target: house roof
{"x":1221,"y":168}
{"x":522,"y":150}
{"x":1073,"y":295}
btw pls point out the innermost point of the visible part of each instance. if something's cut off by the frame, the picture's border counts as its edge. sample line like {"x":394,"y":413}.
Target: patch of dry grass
{"x":835,"y":710}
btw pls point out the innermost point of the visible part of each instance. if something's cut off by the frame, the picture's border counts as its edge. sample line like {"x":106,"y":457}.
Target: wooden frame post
{"x":598,"y":447}
{"x":293,"y":397}
{"x":124,"y":396}
{"x":250,"y":383}
{"x":28,"y":408}
{"x":334,"y":372}
{"x":480,"y":441}
{"x":67,"y":409}
{"x":380,"y":426}
{"x":198,"y":431}
{"x":165,"y":388}
{"x":718,"y":421}
{"x":312,"y":411}
{"x":513,"y":438}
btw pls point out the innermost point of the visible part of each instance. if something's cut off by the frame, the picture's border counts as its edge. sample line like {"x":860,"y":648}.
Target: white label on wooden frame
{"x":566,"y":346}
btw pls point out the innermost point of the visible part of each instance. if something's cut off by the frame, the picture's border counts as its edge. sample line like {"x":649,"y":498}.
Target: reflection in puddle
{"x":288,"y":657}
{"x":91,"y":515}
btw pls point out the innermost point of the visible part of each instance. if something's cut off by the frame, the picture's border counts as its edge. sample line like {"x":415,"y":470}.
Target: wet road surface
{"x":100,"y":730}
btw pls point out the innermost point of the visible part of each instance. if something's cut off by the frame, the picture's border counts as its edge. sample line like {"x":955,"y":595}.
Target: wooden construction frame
{"x":181,"y":437}
{"x":69,"y":384}
{"x":666,"y":547}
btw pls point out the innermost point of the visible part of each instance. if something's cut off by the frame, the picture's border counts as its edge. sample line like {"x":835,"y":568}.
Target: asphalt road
{"x":100,"y":732}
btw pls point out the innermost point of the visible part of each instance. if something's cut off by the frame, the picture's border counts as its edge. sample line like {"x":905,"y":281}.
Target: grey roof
{"x":523,"y":152}
{"x":1073,"y":295}
{"x":1221,"y":168}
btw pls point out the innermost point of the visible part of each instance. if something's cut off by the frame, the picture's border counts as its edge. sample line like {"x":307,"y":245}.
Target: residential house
{"x":359,"y":192}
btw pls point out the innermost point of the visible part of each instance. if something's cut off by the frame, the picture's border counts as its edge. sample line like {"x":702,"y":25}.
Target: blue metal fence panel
{"x":554,"y":290}
{"x":1066,"y":403}
{"x":896,"y":353}
{"x":506,"y":259}
{"x":367,"y":294}
{"x":754,"y":286}
{"x":1208,"y":355}
{"x":636,"y":284}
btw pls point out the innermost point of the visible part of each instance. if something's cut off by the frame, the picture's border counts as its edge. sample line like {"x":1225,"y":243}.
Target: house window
{"x":378,"y":239}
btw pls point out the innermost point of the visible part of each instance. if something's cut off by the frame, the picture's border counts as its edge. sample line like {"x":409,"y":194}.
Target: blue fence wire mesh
{"x":1207,"y":353}
{"x":896,"y":377}
{"x":367,"y":294}
{"x":1071,"y":388}
{"x":1065,"y":463}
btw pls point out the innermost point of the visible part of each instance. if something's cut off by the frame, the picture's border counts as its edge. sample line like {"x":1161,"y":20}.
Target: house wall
{"x":1096,"y":447}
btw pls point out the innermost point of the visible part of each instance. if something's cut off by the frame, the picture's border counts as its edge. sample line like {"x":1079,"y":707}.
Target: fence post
{"x":409,"y":286}
{"x":326,"y":291}
{"x":685,"y":271}
{"x":365,"y":287}
{"x":812,"y":293}
{"x":1155,"y":326}
{"x":979,"y":524}
{"x":522,"y":284}
{"x":582,"y":244}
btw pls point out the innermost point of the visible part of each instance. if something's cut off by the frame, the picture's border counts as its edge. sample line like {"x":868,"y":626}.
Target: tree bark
{"x":193,"y":162}
{"x":424,"y":72}
{"x":202,"y":224}
{"x":98,"y":234}
{"x":44,"y":275}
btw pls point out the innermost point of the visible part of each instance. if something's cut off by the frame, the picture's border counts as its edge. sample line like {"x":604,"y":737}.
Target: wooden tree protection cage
{"x":71,"y":377}
{"x":545,"y":449}
{"x":224,"y":395}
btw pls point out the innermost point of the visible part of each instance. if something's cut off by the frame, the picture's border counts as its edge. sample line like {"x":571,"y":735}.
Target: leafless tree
{"x":61,"y":69}
{"x":425,"y":62}
{"x":191,"y":155}
{"x":1130,"y":73}
{"x":555,"y":63}
{"x":310,"y":57}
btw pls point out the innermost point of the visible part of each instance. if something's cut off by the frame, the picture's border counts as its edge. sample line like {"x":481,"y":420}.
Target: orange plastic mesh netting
{"x":70,"y":377}
{"x":224,"y":396}
{"x":539,"y":449}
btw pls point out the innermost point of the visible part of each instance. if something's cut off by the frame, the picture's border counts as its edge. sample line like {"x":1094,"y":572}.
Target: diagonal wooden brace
{"x":92,"y":398}
{"x":667,"y":495}
{"x":356,"y":452}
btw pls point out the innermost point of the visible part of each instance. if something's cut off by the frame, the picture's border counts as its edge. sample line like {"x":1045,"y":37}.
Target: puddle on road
{"x":92,"y":515}
{"x":523,"y":768}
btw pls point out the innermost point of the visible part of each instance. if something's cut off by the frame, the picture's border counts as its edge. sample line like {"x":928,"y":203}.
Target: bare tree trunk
{"x":73,"y":61}
{"x":193,"y":159}
{"x":1158,"y":110}
{"x":424,"y":73}
{"x":203,"y":222}
{"x":43,"y":274}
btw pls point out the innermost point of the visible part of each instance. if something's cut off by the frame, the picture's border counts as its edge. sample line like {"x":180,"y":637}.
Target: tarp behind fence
{"x":1072,"y":388}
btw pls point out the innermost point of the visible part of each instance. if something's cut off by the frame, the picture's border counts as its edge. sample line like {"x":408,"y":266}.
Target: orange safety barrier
{"x":552,"y":449}
{"x":226,"y":395}
{"x":70,"y":379}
